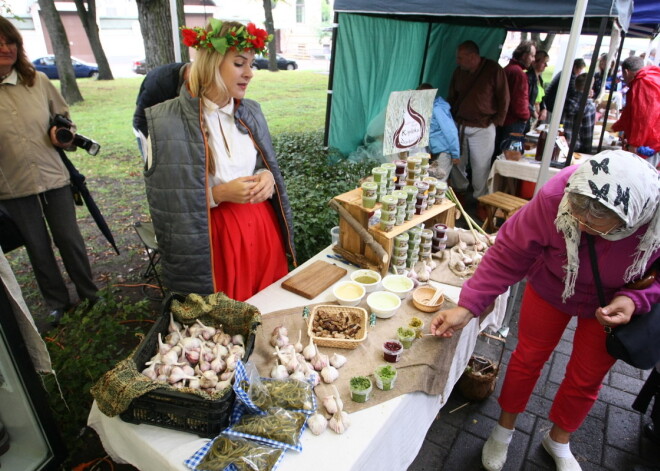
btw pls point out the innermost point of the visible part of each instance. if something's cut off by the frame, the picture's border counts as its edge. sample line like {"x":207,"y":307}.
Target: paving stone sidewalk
{"x":611,"y":437}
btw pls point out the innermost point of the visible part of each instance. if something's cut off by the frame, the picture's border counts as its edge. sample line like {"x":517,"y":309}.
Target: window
{"x":300,"y":11}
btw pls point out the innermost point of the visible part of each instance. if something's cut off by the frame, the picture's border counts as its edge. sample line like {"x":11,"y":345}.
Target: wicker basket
{"x":477,"y":386}
{"x":339,"y":343}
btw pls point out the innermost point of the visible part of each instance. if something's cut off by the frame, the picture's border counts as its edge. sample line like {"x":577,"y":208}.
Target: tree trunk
{"x":545,"y":44}
{"x":60,"y":43}
{"x":270,"y":28}
{"x":88,"y":20}
{"x":156,"y":27}
{"x":185,"y":55}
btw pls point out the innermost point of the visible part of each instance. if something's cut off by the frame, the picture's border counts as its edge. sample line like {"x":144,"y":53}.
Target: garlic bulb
{"x":329,"y":374}
{"x":279,"y":371}
{"x":280,"y":330}
{"x":299,"y":375}
{"x":207,"y":332}
{"x":173,"y":325}
{"x":309,"y":351}
{"x":317,"y":424}
{"x":298,"y":347}
{"x":319,"y":361}
{"x":337,"y":360}
{"x":339,"y":422}
{"x":279,"y":340}
{"x":330,"y":404}
{"x":163,"y":348}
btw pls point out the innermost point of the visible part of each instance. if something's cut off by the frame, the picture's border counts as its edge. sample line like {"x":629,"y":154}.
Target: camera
{"x":64,"y":134}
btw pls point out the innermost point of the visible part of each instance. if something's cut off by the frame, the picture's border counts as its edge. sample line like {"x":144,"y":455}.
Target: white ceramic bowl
{"x":400,"y":285}
{"x":359,"y":276}
{"x":383,"y":303}
{"x":348,"y":293}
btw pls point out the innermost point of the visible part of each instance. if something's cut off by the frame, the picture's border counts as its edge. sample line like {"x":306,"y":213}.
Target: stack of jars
{"x":400,"y":174}
{"x":439,"y":237}
{"x":414,"y":240}
{"x":409,"y":182}
{"x":388,"y":212}
{"x":380,"y":177}
{"x":411,"y":199}
{"x":421,"y":200}
{"x":414,"y":169}
{"x":400,"y":253}
{"x":425,"y":245}
{"x":401,"y":200}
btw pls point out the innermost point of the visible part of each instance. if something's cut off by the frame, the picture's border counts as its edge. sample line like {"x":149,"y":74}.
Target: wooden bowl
{"x":421,"y":297}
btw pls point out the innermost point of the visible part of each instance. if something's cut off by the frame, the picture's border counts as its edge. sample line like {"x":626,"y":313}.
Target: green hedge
{"x":314,"y":175}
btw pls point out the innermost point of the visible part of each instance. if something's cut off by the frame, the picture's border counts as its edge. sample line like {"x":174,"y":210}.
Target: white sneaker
{"x":563,"y":464}
{"x":493,"y":454}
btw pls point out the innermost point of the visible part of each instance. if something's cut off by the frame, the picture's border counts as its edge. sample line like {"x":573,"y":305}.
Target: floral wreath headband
{"x":237,"y":38}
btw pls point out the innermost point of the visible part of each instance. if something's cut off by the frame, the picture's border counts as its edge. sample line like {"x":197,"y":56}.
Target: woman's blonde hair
{"x":204,"y":75}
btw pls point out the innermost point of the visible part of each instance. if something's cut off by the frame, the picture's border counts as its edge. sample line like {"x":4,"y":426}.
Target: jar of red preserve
{"x":392,"y":350}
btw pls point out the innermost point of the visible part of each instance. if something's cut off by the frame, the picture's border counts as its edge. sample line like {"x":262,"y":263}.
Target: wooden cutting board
{"x":314,"y":279}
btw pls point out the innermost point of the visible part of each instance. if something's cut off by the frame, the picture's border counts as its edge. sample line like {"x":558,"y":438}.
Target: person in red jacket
{"x":640,"y":118}
{"x":518,"y":112}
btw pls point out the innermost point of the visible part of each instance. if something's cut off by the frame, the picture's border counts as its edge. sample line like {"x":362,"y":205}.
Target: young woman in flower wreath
{"x":216,"y":195}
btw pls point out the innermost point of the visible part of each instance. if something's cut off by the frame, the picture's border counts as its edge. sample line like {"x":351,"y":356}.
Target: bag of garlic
{"x":278,"y":428}
{"x":235,"y":454}
{"x":151,"y":395}
{"x":260,"y":394}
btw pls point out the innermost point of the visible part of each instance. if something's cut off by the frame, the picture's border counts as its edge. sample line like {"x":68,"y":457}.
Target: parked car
{"x":82,"y":69}
{"x":261,"y":62}
{"x":140,"y":66}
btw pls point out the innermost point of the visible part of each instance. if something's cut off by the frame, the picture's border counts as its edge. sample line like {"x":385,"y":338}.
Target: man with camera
{"x":34,"y":182}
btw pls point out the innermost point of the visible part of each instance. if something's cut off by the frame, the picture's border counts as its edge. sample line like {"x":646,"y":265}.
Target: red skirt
{"x":248,"y":248}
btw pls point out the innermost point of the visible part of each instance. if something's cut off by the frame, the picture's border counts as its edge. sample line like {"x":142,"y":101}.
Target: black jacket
{"x":161,"y":84}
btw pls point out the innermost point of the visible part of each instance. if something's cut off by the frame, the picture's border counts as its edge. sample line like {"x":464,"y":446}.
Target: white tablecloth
{"x":387,"y":436}
{"x":526,"y":169}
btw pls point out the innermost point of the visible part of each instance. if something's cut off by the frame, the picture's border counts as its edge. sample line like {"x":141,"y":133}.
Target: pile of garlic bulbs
{"x":339,"y":419}
{"x":302,"y":363}
{"x":463,"y":261}
{"x":195,"y":356}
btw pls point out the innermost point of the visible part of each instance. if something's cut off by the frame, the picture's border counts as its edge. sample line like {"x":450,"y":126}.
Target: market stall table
{"x":385,"y":436}
{"x":526,"y":169}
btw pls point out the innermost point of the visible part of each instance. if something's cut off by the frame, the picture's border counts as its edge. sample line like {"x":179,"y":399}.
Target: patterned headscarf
{"x":629,"y":186}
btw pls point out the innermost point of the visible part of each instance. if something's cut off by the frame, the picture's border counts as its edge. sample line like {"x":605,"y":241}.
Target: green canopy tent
{"x":381,"y":46}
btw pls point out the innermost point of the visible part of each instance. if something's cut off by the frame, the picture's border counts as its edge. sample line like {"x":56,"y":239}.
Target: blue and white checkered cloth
{"x":196,"y":458}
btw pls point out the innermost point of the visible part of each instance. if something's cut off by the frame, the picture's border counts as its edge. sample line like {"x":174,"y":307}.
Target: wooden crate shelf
{"x":356,"y":250}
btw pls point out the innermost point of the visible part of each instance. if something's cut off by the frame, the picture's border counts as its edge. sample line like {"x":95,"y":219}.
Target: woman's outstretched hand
{"x":449,"y":321}
{"x":617,"y":312}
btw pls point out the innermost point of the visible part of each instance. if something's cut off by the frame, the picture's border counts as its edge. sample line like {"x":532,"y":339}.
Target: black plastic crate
{"x":175,"y":409}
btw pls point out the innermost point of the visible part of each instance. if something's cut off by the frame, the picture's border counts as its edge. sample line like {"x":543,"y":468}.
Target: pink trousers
{"x":540,"y":330}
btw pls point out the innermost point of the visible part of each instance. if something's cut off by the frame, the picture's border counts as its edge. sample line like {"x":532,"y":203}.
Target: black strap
{"x":594,"y":268}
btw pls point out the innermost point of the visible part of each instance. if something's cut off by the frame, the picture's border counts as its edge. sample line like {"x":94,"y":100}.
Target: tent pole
{"x":585,"y":93}
{"x":576,"y":28}
{"x":331,"y":75}
{"x":609,"y":98}
{"x":426,"y":52}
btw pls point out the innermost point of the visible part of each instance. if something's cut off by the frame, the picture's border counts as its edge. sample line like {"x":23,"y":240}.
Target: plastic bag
{"x":226,"y":453}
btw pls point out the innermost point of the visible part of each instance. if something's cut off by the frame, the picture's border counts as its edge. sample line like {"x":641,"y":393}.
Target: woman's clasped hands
{"x":250,"y":189}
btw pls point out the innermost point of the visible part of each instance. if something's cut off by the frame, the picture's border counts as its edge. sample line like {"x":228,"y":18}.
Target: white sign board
{"x":408,"y":120}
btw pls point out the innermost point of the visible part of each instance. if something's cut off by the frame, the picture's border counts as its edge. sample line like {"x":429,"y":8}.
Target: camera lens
{"x":63,"y":135}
